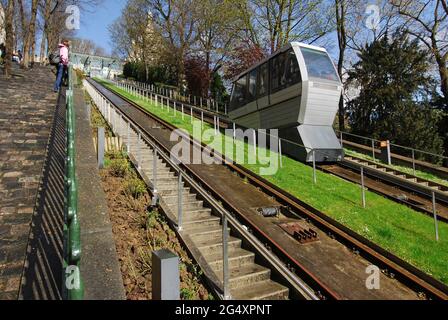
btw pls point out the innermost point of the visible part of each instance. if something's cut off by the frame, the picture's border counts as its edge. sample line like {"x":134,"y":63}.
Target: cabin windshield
{"x":319,"y":65}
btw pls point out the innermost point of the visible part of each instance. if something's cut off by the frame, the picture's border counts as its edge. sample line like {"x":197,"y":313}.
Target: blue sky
{"x":94,"y":22}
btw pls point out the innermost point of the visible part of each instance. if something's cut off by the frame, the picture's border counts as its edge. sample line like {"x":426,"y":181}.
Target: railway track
{"x":405,"y":189}
{"x":411,"y":199}
{"x":328,"y":229}
{"x":406,"y":181}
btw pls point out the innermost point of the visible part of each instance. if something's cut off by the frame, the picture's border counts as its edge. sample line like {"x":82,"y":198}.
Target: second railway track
{"x":337,"y":272}
{"x":409,"y":190}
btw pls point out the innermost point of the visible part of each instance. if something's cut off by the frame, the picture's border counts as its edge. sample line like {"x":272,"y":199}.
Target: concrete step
{"x":160,"y":174}
{"x":190,"y":205}
{"x":161,"y":185}
{"x":171,"y":191}
{"x":201,"y":233}
{"x":214,"y":246}
{"x":246,"y":276}
{"x":168,"y":179}
{"x":237,"y":258}
{"x":211,"y":221}
{"x":172,"y":200}
{"x":266,"y":290}
{"x":194,"y":214}
{"x":148,"y":163}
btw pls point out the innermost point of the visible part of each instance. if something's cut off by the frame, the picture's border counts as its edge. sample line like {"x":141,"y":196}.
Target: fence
{"x":411,"y":153}
{"x":212,"y":105}
{"x":204,"y":103}
{"x":72,"y":286}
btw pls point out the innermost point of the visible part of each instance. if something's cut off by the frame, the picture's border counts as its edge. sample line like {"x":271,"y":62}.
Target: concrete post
{"x":165,"y":276}
{"x":100,"y":147}
{"x":89,"y":112}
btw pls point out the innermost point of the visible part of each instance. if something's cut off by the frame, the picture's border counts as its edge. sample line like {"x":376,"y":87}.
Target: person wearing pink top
{"x":63,"y":64}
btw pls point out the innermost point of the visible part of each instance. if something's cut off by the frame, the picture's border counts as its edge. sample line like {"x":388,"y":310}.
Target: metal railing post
{"x":255,"y":143}
{"x":179,"y":202}
{"x":128,"y":138}
{"x":373,"y":150}
{"x":434,"y":210}
{"x":225,"y":259}
{"x":154,"y":178}
{"x":413,"y":160}
{"x":363,"y":188}
{"x":202,"y":120}
{"x":280,"y":152}
{"x":314,"y":167}
{"x":139,"y":151}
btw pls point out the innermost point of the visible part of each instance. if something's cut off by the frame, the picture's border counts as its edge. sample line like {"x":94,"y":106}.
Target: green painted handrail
{"x":73,"y":288}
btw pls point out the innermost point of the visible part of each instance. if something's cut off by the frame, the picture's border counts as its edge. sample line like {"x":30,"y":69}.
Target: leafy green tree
{"x":396,"y":90}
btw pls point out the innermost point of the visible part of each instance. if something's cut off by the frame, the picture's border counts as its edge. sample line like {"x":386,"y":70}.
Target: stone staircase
{"x":205,"y":231}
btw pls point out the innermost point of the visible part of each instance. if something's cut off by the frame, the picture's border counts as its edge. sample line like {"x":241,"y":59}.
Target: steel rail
{"x":404,"y":271}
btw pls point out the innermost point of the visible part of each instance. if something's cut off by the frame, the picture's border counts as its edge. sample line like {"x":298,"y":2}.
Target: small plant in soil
{"x":187,"y":294}
{"x":118,"y":168}
{"x":134,"y":187}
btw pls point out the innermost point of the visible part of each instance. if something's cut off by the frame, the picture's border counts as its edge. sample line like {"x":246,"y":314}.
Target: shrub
{"x":135,"y":188}
{"x":118,"y":168}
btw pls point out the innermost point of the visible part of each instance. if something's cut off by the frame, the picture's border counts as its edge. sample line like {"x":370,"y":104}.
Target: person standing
{"x":63,"y":64}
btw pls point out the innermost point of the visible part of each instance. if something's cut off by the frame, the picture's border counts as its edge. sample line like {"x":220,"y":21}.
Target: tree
{"x":241,"y":58}
{"x":341,"y":13}
{"x":395,"y":94}
{"x":197,"y":76}
{"x":427,"y":20}
{"x":176,"y":23}
{"x":273,"y":23}
{"x":9,"y":36}
{"x":86,"y":46}
{"x":30,"y":37}
{"x":218,"y":24}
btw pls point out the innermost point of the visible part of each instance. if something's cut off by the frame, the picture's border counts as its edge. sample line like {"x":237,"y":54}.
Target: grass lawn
{"x":397,"y":228}
{"x":407,"y":170}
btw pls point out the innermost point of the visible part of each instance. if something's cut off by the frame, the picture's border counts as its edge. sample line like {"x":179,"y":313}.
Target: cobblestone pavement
{"x":27,"y":110}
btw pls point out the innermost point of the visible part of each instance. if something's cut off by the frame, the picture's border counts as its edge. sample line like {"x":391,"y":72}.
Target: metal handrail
{"x":414,"y":150}
{"x":73,"y":286}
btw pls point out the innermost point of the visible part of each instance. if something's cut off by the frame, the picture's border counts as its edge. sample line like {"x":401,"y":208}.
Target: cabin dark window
{"x":278,"y":73}
{"x":263,"y":80}
{"x":282,"y":71}
{"x":275,"y":74}
{"x":293,"y":75}
{"x":252,"y":86}
{"x":239,"y":93}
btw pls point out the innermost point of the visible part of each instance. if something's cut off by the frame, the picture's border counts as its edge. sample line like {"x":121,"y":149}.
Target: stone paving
{"x":27,"y":110}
